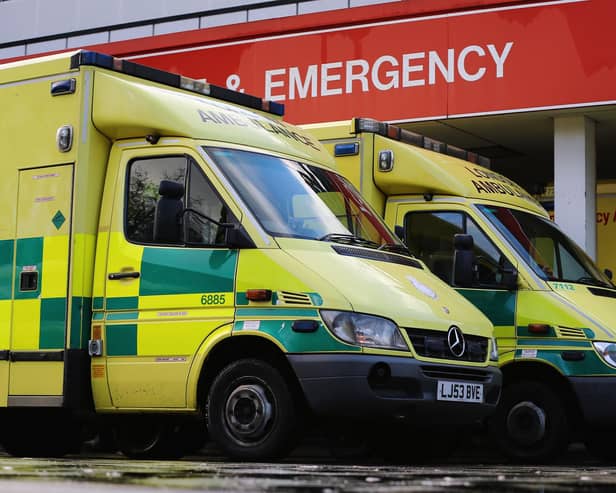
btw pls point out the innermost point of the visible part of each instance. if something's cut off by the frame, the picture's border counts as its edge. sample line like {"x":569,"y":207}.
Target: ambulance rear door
{"x":40,"y":287}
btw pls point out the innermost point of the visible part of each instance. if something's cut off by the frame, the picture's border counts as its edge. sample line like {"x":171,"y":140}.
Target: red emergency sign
{"x":468,"y":62}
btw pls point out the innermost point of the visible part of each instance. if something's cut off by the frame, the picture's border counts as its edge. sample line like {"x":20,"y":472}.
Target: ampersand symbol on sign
{"x":233,"y":83}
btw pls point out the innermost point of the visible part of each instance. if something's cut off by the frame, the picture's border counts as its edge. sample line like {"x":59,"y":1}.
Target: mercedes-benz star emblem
{"x":455,"y":339}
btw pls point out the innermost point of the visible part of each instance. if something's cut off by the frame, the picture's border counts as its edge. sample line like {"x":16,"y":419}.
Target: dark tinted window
{"x":430,"y":236}
{"x":184,"y":214}
{"x":545,"y":248}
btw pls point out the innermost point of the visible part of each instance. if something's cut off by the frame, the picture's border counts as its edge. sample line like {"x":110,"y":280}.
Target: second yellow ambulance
{"x":552,"y":308}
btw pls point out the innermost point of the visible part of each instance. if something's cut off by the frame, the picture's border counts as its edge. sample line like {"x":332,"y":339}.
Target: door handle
{"x":114,"y":276}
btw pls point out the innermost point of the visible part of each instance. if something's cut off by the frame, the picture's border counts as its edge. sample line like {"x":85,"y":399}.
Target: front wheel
{"x":251,"y":413}
{"x":530,"y":423}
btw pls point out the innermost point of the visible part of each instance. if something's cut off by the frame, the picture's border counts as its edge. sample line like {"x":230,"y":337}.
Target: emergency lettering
{"x":471,"y":64}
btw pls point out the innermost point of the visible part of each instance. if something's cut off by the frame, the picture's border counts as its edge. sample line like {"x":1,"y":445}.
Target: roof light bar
{"x":418,"y":140}
{"x":174,"y":80}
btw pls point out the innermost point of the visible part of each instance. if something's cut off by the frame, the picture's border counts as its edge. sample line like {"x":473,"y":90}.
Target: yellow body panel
{"x":6,"y":308}
{"x":83,"y":249}
{"x":150,"y":383}
{"x":154,"y":338}
{"x":26,"y":316}
{"x":36,"y":378}
{"x":55,"y":252}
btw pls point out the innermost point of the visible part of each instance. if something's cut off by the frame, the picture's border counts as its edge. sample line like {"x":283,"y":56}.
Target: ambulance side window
{"x":205,"y":201}
{"x":169,"y":201}
{"x":144,"y":177}
{"x":429,"y":236}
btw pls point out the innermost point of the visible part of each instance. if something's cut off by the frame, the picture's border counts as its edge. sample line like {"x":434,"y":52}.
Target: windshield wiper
{"x":396,"y":248}
{"x":591,"y":281}
{"x":349,"y":239}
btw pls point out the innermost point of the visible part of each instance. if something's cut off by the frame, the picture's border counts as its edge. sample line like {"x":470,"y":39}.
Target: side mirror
{"x":236,"y":237}
{"x":463,"y":261}
{"x":509,"y":279}
{"x":400,"y":232}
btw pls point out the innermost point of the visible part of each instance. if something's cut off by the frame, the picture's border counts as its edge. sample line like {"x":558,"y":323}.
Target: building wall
{"x":37,"y":26}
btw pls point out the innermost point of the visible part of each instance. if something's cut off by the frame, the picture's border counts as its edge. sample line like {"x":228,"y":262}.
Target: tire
{"x":149,"y":439}
{"x":530,"y":423}
{"x":251,"y":413}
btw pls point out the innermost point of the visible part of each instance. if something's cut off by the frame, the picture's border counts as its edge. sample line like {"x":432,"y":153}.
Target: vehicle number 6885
{"x":213,"y":299}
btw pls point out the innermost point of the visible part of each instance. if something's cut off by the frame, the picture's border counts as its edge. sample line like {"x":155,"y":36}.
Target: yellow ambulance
{"x":173,"y":256}
{"x":552,"y":308}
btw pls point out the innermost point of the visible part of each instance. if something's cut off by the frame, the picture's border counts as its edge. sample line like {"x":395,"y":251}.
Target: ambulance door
{"x":429,"y":235}
{"x":40,"y":286}
{"x":170,"y":279}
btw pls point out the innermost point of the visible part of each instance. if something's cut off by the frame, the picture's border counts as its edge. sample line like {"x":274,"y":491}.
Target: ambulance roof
{"x":130,"y":100}
{"x":426,"y":166}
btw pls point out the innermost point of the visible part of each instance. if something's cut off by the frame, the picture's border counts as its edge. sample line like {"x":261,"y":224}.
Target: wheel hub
{"x":248,"y":411}
{"x":526,"y":423}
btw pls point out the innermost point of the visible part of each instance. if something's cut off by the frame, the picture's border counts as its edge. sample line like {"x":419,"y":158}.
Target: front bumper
{"x":367,"y":386}
{"x":597,"y":399}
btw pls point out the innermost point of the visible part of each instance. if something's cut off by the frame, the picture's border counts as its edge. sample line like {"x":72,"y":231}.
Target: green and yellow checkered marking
{"x":39,"y":315}
{"x":186,"y":292}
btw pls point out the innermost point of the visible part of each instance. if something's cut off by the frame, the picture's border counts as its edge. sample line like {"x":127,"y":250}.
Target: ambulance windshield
{"x":296,"y":200}
{"x":546,"y":249}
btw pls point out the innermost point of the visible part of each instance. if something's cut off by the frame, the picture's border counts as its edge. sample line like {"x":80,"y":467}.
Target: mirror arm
{"x":207,"y":218}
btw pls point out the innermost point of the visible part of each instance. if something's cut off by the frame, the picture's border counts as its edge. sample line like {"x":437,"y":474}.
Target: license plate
{"x":459,"y":391}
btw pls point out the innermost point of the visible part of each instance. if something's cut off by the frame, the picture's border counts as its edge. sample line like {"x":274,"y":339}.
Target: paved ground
{"x":113,"y":473}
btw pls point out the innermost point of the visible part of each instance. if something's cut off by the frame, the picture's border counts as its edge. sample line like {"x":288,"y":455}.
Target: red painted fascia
{"x":284,"y":25}
{"x":300,"y":23}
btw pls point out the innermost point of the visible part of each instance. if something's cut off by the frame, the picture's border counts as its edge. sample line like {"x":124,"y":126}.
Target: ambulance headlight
{"x":494,"y":350}
{"x":364,"y":330}
{"x":607,"y":350}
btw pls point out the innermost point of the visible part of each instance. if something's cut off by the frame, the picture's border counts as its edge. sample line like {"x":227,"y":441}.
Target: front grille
{"x":570,"y":333}
{"x":448,"y":373}
{"x":289,"y":298}
{"x":433,"y":344}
